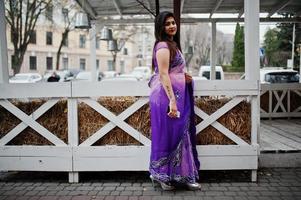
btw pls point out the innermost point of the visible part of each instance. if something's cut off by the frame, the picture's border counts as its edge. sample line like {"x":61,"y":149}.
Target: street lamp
{"x":82,"y":21}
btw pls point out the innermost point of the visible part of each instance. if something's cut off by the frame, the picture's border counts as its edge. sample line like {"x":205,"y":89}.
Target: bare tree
{"x":22,"y":17}
{"x":123,"y":35}
{"x":69,"y":11}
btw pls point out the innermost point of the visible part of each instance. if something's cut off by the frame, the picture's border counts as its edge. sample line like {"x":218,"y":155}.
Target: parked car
{"x":276,"y":75}
{"x":86,"y":76}
{"x":205,"y":72}
{"x":63,"y":75}
{"x":26,"y":78}
{"x":110,"y":74}
{"x":142,"y":72}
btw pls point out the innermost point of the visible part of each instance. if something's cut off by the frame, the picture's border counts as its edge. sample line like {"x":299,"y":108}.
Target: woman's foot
{"x":193,"y":186}
{"x":165,"y":186}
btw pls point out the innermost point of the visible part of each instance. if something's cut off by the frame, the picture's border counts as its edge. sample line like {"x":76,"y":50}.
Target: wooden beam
{"x":278,"y":7}
{"x":117,"y":6}
{"x":217,"y":5}
{"x":200,"y":20}
{"x":3,"y":46}
{"x":177,"y":13}
{"x":241,"y":12}
{"x":85,"y":5}
{"x":182,"y":6}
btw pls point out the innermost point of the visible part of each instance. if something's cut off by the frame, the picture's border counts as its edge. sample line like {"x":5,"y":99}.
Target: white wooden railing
{"x":278,"y":100}
{"x":73,"y":157}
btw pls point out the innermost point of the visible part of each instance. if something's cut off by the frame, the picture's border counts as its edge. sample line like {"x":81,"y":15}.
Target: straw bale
{"x":237,"y":120}
{"x":54,"y":120}
{"x":90,"y":121}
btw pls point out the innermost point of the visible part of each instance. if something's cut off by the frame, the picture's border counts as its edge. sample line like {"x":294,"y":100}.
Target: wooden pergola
{"x":73,"y":157}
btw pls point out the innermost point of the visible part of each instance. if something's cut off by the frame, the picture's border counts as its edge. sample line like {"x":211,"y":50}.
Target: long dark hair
{"x":161,"y":35}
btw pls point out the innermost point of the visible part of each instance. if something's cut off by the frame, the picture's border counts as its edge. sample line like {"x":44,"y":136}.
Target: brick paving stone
{"x":126,"y":193}
{"x":134,"y":198}
{"x":109,"y":188}
{"x":111,"y":184}
{"x":115,"y":193}
{"x":137,"y":193}
{"x":122,"y":198}
{"x":162,"y":198}
{"x":49,"y":198}
{"x":65,"y":198}
{"x":78,"y":192}
{"x":89,"y":188}
{"x":103,"y":193}
{"x":132,"y":188}
{"x":81,"y":198}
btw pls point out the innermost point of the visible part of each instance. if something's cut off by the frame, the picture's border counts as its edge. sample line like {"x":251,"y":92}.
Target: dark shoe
{"x":193,"y":186}
{"x":164,"y":186}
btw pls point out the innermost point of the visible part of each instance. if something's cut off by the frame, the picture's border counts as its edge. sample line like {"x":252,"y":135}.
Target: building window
{"x":110,"y":65}
{"x":49,"y":13}
{"x":32,"y":62}
{"x":82,"y":41}
{"x":82,"y":64}
{"x":33,"y":37}
{"x":125,"y":51}
{"x":49,"y":38}
{"x":65,"y":63}
{"x":65,"y":42}
{"x":49,"y":63}
{"x":12,"y":61}
{"x":97,"y":63}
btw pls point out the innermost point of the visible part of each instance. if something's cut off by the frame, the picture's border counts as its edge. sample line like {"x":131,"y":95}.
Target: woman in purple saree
{"x":173,"y":151}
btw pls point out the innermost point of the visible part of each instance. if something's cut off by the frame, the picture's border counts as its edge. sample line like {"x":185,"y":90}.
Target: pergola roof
{"x":99,"y":8}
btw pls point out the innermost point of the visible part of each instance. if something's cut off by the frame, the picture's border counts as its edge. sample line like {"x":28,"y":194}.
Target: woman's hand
{"x":188,"y":78}
{"x":173,"y":109}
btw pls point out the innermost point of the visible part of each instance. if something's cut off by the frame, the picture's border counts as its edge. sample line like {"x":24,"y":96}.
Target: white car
{"x":205,"y":72}
{"x":26,"y":78}
{"x":142,"y":73}
{"x":85,"y":76}
{"x":110,"y":74}
{"x":278,"y":75}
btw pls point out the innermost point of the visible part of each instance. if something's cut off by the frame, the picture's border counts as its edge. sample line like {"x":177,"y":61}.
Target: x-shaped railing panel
{"x":116,"y":121}
{"x":212,"y":120}
{"x":30,"y":120}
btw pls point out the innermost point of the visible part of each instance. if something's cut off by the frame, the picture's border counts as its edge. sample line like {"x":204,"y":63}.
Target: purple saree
{"x":173,"y":150}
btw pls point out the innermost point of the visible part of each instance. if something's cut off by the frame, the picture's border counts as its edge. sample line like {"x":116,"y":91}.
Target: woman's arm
{"x":162,"y":56}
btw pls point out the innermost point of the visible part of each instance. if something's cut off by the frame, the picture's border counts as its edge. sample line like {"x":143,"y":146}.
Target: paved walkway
{"x":273,"y":184}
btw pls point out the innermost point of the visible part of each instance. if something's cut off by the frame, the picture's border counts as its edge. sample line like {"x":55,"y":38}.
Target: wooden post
{"x":213,"y":51}
{"x":3,"y":46}
{"x":94,"y":74}
{"x":73,"y":134}
{"x":251,"y":9}
{"x":177,"y":13}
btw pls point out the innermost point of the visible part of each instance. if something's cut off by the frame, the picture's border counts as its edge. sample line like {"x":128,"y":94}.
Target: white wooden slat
{"x":23,"y":163}
{"x":280,"y":86}
{"x":280,"y":138}
{"x":110,"y":88}
{"x":255,"y":119}
{"x":127,"y":158}
{"x":33,"y":150}
{"x":30,"y":122}
{"x":217,"y":114}
{"x":120,"y":123}
{"x":72,"y":122}
{"x":297,"y":109}
{"x":280,"y":114}
{"x":279,"y":101}
{"x":297,"y":92}
{"x":220,"y":128}
{"x":35,"y":90}
{"x":35,"y":115}
{"x":264,"y":136}
{"x":286,"y":129}
{"x":109,"y":126}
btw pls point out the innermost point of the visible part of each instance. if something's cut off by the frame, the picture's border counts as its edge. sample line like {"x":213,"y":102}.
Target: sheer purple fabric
{"x":173,"y":149}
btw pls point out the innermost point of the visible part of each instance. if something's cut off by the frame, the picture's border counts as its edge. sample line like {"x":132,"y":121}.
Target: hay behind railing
{"x":55,"y":120}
